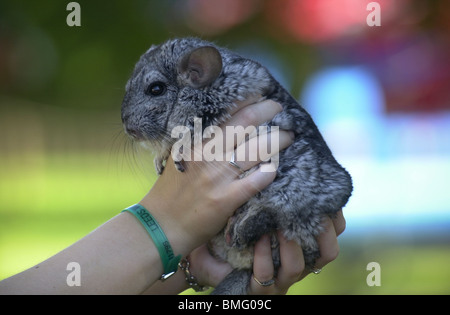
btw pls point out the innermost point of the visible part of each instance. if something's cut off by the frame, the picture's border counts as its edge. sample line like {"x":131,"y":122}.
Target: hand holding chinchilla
{"x":183,"y":79}
{"x":119,"y":257}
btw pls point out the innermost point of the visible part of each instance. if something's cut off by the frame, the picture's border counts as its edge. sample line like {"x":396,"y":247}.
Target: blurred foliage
{"x":87,"y":67}
{"x":49,"y":202}
{"x":61,"y":198}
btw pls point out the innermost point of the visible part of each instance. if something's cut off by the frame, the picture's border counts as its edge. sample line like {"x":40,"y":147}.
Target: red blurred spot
{"x":216,"y":16}
{"x":322,"y":20}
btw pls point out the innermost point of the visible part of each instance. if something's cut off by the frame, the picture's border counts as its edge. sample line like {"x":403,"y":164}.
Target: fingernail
{"x":279,"y":106}
{"x":274,"y":104}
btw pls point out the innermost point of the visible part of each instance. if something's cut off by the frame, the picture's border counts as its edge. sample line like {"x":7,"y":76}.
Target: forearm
{"x":174,"y":285}
{"x":127,"y":263}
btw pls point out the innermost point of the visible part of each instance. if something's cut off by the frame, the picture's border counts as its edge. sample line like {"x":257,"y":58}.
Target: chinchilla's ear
{"x":200,"y":67}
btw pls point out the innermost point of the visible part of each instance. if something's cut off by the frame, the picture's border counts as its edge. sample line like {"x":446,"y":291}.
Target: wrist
{"x":170,"y":222}
{"x":168,"y":258}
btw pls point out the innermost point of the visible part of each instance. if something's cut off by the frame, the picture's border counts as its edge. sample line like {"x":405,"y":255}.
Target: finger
{"x":328,"y":244}
{"x":256,"y":150}
{"x":208,"y":270}
{"x":292,"y":263}
{"x":262,"y":266}
{"x":248,"y":101}
{"x":339,"y":223}
{"x":255,"y":114}
{"x":250,"y":185}
{"x":244,"y":122}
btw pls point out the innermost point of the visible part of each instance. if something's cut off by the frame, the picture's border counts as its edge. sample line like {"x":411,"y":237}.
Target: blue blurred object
{"x":347,"y":105}
{"x":400,"y":163}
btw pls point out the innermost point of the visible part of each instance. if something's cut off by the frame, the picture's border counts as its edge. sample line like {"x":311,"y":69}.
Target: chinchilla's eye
{"x":156,"y":89}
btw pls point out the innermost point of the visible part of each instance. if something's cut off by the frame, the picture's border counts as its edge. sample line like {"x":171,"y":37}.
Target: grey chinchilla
{"x":185,"y":78}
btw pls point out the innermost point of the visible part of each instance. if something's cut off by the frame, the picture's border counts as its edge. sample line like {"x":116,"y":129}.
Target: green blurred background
{"x":66,"y":165}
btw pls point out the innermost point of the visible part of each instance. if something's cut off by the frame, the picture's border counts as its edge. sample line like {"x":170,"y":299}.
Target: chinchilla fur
{"x":185,"y":78}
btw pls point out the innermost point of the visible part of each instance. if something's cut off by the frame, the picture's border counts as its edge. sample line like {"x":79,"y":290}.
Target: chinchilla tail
{"x":236,"y":283}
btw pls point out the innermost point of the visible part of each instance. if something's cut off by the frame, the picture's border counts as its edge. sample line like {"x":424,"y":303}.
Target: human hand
{"x":292,"y":267}
{"x":193,"y":206}
{"x":210,"y":271}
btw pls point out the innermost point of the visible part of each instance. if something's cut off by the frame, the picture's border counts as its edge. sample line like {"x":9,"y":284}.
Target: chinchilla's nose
{"x":131,"y":128}
{"x":133,"y":132}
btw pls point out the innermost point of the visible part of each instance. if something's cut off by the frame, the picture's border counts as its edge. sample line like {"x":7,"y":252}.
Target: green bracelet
{"x":169,"y":260}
